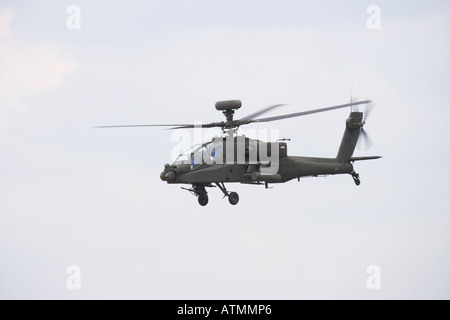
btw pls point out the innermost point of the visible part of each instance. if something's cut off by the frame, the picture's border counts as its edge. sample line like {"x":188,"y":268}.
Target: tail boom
{"x":351,"y":134}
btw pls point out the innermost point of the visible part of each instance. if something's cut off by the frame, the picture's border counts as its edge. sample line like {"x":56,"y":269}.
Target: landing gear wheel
{"x":233,"y":197}
{"x":203,"y":200}
{"x":355,"y":177}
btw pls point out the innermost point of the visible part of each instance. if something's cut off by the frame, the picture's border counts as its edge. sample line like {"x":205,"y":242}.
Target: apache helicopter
{"x":234,"y":158}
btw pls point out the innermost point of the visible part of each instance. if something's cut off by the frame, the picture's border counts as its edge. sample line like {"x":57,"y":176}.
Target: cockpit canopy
{"x":208,"y":152}
{"x":229,"y":151}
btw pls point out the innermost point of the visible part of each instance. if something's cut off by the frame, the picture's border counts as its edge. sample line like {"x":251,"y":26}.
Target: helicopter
{"x":233,"y":158}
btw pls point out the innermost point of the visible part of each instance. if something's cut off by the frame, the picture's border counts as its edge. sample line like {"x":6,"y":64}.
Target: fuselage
{"x":289,"y":167}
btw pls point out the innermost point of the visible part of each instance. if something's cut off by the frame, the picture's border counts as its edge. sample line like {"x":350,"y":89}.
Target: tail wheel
{"x":233,"y":198}
{"x":355,"y":177}
{"x":203,"y":200}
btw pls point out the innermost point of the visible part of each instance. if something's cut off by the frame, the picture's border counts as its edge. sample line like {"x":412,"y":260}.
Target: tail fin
{"x":352,"y":129}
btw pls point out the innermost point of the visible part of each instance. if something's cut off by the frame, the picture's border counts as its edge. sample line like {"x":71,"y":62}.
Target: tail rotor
{"x":365,"y":142}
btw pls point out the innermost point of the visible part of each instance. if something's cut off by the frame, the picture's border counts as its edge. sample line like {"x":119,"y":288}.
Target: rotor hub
{"x":228,"y":107}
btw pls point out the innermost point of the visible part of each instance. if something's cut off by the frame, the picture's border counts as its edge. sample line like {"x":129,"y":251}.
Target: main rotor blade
{"x":262,"y":111}
{"x":142,"y":125}
{"x":304,"y":113}
{"x":174,"y":126}
{"x":200,"y":125}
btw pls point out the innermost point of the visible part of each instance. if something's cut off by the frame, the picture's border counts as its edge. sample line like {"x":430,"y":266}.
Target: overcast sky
{"x":74,"y":195}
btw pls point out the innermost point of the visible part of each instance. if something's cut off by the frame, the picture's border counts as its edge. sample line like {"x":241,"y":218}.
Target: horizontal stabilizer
{"x":363,"y":158}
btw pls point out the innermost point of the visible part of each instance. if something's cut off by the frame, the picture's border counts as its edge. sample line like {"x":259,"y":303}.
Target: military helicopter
{"x":233,"y":158}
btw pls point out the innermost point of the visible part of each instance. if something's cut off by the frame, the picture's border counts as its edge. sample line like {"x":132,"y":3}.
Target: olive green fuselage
{"x":289,"y":168}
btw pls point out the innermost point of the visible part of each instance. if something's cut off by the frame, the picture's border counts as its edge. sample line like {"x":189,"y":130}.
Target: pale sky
{"x":74,"y":195}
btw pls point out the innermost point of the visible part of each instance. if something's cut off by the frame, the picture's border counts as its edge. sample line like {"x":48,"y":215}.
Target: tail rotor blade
{"x":364,"y":141}
{"x":369,"y":108}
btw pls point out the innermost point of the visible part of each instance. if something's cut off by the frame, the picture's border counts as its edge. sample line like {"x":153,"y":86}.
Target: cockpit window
{"x":198,"y":154}
{"x":197,"y":157}
{"x":185,"y":157}
{"x":214,"y":151}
